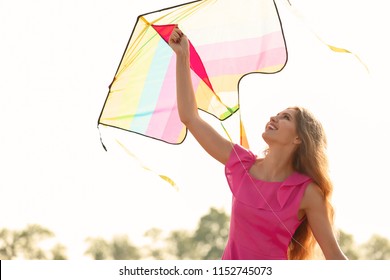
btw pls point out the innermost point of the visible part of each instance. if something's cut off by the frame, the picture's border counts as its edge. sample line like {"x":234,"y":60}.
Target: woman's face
{"x":282,"y":128}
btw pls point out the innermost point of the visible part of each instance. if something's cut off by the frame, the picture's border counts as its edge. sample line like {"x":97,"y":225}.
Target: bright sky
{"x":57,"y":60}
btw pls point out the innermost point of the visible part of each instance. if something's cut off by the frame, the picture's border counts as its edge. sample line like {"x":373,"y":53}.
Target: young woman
{"x":280,"y":202}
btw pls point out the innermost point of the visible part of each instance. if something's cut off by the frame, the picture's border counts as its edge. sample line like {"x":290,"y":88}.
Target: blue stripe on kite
{"x":153,"y":84}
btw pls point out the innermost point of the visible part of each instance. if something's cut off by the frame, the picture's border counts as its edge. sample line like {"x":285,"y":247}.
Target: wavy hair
{"x":311,"y":159}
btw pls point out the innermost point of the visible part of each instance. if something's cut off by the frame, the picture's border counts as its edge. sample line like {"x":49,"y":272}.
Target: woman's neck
{"x":276,"y":166}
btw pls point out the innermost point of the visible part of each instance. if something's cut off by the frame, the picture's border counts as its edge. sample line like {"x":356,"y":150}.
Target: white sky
{"x":57,"y":60}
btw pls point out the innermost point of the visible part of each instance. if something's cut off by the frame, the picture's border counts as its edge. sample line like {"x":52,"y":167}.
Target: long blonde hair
{"x":310,"y":159}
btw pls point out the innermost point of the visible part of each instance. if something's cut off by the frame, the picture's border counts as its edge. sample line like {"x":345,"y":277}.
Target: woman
{"x":280,"y":202}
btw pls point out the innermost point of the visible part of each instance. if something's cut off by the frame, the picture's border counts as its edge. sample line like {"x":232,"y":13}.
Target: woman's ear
{"x":297,"y":140}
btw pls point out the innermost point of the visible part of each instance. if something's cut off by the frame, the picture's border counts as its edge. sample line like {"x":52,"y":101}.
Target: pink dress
{"x":264,"y":214}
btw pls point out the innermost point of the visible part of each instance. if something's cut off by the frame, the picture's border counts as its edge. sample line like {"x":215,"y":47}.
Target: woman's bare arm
{"x":315,"y":209}
{"x":216,"y":145}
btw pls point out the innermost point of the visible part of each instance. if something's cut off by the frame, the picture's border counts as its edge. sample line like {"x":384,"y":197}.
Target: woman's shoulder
{"x":241,"y":154}
{"x":312,"y":195}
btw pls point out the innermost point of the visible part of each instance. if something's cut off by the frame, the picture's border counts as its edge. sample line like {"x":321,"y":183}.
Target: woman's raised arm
{"x":216,"y":145}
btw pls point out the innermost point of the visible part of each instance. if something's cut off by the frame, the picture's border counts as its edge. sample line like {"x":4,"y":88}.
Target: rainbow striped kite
{"x":228,"y":39}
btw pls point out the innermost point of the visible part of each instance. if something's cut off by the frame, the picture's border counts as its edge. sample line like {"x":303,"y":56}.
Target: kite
{"x":228,"y":39}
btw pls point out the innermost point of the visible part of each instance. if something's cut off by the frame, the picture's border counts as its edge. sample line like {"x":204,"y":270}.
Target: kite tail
{"x":331,"y":47}
{"x":341,"y":50}
{"x":101,"y":139}
{"x":164,"y":177}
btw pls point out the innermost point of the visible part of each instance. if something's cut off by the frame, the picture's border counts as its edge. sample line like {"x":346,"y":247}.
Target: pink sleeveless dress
{"x":264,"y":214}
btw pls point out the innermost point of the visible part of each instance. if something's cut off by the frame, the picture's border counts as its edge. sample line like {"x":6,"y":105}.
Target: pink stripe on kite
{"x":174,"y":125}
{"x":246,"y":46}
{"x":166,"y":108}
{"x":246,"y":64}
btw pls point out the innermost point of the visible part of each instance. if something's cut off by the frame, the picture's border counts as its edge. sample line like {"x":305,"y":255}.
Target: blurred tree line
{"x":27,"y":244}
{"x":206,"y":242}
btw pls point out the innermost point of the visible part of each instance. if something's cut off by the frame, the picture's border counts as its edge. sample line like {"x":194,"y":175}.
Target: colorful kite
{"x":229,"y":39}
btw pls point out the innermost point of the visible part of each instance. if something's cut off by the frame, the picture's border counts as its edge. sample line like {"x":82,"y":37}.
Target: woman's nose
{"x":273,"y":119}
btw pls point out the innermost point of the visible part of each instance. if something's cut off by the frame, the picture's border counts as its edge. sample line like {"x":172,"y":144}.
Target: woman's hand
{"x":179,"y":42}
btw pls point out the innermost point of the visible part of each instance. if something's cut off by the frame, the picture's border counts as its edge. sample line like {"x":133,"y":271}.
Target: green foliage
{"x":155,"y":247}
{"x":99,"y":249}
{"x":212,"y":233}
{"x":25,"y":244}
{"x":59,"y":252}
{"x":377,"y":248}
{"x":120,"y":248}
{"x":180,"y":245}
{"x":348,"y":246}
{"x":206,"y":242}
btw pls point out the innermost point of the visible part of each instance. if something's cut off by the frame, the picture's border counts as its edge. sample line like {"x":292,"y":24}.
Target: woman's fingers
{"x":176,"y":35}
{"x":178,"y":41}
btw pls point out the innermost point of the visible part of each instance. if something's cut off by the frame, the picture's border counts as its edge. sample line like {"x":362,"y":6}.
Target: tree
{"x":348,"y":246}
{"x":8,"y":244}
{"x":207,"y":242}
{"x":99,"y":249}
{"x":120,"y":248}
{"x":155,"y":248}
{"x":25,"y":243}
{"x":181,"y":245}
{"x":58,"y":252}
{"x":377,"y":248}
{"x":211,"y":236}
